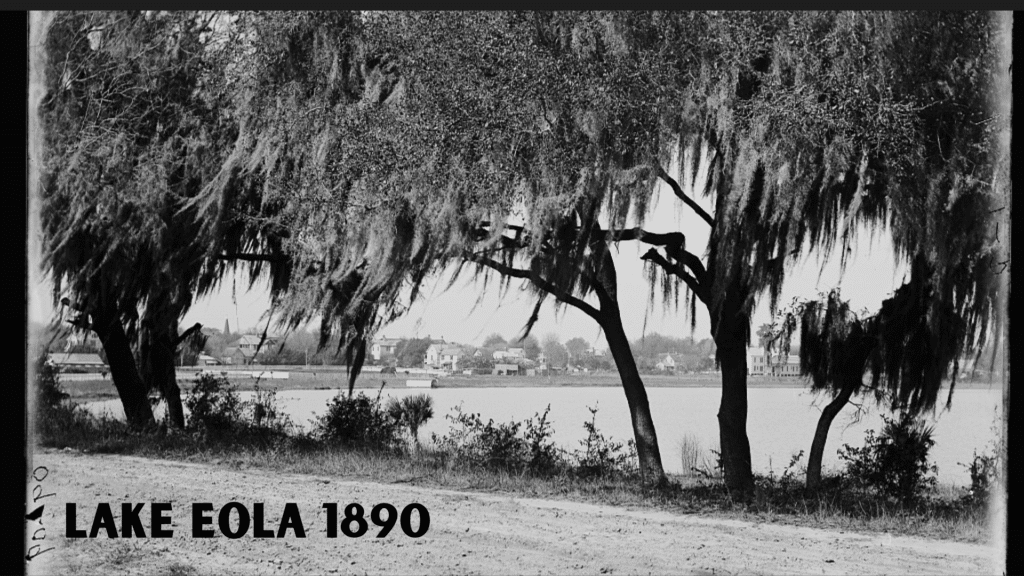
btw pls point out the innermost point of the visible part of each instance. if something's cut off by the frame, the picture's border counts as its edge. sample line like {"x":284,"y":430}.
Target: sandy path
{"x":469,"y":533}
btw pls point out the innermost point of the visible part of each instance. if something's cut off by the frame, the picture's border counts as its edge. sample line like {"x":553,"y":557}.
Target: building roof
{"x":387,"y":341}
{"x":243,"y":351}
{"x":254,"y":339}
{"x":451,"y":352}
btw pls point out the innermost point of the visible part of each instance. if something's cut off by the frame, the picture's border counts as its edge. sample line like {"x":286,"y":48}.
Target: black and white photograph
{"x":517,"y":292}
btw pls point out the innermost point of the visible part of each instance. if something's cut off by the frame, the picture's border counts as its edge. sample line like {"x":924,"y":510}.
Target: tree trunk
{"x":636,"y":397}
{"x":610,"y":320}
{"x":732,"y":423}
{"x":731,"y":330}
{"x":157,"y":352}
{"x":828,"y":414}
{"x":123,"y":371}
{"x":855,"y":355}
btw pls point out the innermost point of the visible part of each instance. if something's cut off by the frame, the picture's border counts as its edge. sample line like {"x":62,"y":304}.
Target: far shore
{"x":335,"y":378}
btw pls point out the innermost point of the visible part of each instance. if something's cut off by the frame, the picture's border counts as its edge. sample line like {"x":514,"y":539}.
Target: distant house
{"x":667,"y":364}
{"x":760,"y":363}
{"x":449,"y":358}
{"x":433,"y":355}
{"x":78,"y":360}
{"x":508,"y":354}
{"x":384,"y":347}
{"x":789,"y":369}
{"x":238,"y":355}
{"x":507,"y":370}
{"x":252,"y":341}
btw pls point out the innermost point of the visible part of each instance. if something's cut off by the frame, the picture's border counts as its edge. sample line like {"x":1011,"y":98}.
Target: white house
{"x":433,"y":355}
{"x":508,"y":354}
{"x":384,"y":347}
{"x":250,"y":342}
{"x":760,"y":363}
{"x":449,"y":358}
{"x":667,"y":364}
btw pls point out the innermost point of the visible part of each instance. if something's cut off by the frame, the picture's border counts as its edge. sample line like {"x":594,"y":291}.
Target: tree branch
{"x":195,"y":328}
{"x":678,"y":270}
{"x":673,"y":242}
{"x":538,"y":281}
{"x":682,"y":196}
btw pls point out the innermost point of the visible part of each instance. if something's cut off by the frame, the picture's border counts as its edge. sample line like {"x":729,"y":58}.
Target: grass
{"x":779,"y":499}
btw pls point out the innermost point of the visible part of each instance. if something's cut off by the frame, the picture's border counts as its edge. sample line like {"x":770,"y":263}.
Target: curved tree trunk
{"x":123,"y":371}
{"x":651,"y":469}
{"x":647,"y":450}
{"x":855,"y":355}
{"x":828,"y":414}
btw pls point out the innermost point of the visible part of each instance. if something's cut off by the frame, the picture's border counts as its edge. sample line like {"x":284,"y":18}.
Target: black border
{"x":14,"y":31}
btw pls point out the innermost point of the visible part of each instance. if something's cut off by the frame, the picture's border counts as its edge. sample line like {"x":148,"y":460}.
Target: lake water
{"x":780,"y":421}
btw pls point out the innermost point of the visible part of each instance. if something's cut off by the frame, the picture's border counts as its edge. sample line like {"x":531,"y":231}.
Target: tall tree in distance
{"x":576,"y":347}
{"x":554,"y":352}
{"x":494,"y":340}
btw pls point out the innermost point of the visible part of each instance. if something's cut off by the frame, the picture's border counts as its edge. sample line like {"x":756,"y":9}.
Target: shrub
{"x":262,"y":410}
{"x":894,"y":463}
{"x":984,"y":469}
{"x":500,"y":446}
{"x":601,"y":456}
{"x":213,"y":404}
{"x":690,"y":454}
{"x":788,"y":481}
{"x":48,"y":387}
{"x":358,"y":422}
{"x":411,"y":412}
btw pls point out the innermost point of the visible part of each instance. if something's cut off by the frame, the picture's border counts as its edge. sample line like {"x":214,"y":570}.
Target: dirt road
{"x":469,"y":533}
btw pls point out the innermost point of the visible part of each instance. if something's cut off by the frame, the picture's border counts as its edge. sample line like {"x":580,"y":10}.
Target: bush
{"x":411,"y":412}
{"x":789,"y":481}
{"x":358,"y":422}
{"x":48,"y":388}
{"x":499,"y":446}
{"x":262,"y":410}
{"x":603,"y":457}
{"x":213,"y":404}
{"x":894,"y":463}
{"x":984,"y":469}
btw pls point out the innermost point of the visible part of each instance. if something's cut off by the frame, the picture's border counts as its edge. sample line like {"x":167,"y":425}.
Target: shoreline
{"x":103,"y":389}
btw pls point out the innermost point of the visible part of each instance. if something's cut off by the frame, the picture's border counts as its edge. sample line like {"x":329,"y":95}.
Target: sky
{"x":466,"y":314}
